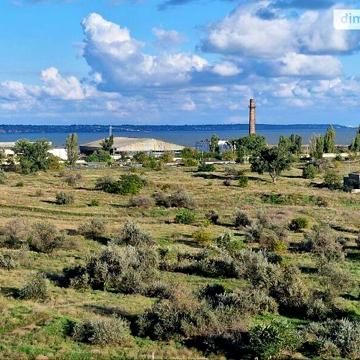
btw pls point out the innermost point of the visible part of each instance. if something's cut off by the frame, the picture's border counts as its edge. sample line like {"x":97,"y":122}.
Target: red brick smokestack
{"x":252,"y":117}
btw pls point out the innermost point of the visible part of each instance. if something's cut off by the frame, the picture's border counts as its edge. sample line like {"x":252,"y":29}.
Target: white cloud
{"x":118,"y":58}
{"x":189,"y":106}
{"x":243,"y":32}
{"x":293,"y":64}
{"x":167,"y":38}
{"x":226,"y":68}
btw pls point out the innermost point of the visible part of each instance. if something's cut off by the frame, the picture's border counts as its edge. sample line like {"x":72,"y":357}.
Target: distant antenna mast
{"x":110,"y":130}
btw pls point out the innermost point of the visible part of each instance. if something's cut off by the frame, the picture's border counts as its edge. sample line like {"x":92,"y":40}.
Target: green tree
{"x":108,"y":143}
{"x":72,"y":150}
{"x":32,"y":156}
{"x":329,"y":140}
{"x":317,"y":146}
{"x":355,"y":145}
{"x":271,"y":160}
{"x":214,"y":144}
{"x":250,"y":146}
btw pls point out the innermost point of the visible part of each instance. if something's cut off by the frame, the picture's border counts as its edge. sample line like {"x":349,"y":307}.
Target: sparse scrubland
{"x":180,"y":262}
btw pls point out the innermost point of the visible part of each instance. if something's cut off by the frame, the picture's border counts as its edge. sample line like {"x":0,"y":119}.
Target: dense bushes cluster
{"x":130,"y":184}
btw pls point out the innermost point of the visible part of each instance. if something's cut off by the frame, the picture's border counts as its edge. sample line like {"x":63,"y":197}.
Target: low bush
{"x":185,"y":216}
{"x":271,"y":339}
{"x":140,"y":202}
{"x":7,"y":261}
{"x":227,"y":182}
{"x":130,"y":184}
{"x":16,"y":233}
{"x":112,"y":331}
{"x":299,"y":223}
{"x":94,"y":202}
{"x":19,"y":184}
{"x":203,"y":236}
{"x":270,"y":241}
{"x":72,"y":179}
{"x":93,"y":229}
{"x":45,"y":237}
{"x":322,"y":242}
{"x":203,"y":167}
{"x":332,"y":180}
{"x":2,"y":177}
{"x":212,"y":216}
{"x":35,"y":289}
{"x":243,"y":181}
{"x":179,"y":199}
{"x":334,"y":338}
{"x":132,"y":234}
{"x":125,"y":269}
{"x":241,"y":219}
{"x":309,"y":171}
{"x":63,"y":198}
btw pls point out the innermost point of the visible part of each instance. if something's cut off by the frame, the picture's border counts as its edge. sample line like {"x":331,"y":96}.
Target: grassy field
{"x":38,"y":330}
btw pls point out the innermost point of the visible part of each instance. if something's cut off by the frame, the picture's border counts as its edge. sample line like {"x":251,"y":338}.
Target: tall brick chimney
{"x":252,"y":117}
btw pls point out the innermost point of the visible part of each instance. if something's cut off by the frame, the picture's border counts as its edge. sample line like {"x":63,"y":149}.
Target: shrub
{"x":268,"y":340}
{"x":181,"y":199}
{"x":227,"y":182}
{"x":309,"y":171}
{"x":93,"y":229}
{"x":125,"y":269}
{"x":269,"y":240}
{"x":332,"y":180}
{"x":63,"y":198}
{"x":94,"y":202}
{"x":35,"y":289}
{"x":132,"y":234}
{"x":72,"y":179}
{"x":113,"y":331}
{"x":16,"y":233}
{"x":203,"y":167}
{"x":185,"y":216}
{"x":140,"y":202}
{"x":322,"y":242}
{"x":299,"y":223}
{"x":7,"y":261}
{"x":45,"y":237}
{"x":104,"y":183}
{"x":243,"y":181}
{"x":241,"y":219}
{"x":225,"y":242}
{"x":19,"y":184}
{"x":128,"y":184}
{"x":2,"y":177}
{"x":177,"y":199}
{"x":203,"y":236}
{"x":339,"y":338}
{"x":212,"y":216}
{"x":190,"y":162}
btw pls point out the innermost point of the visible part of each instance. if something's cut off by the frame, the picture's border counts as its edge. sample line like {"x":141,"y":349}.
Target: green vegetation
{"x":173,"y":264}
{"x":72,"y":149}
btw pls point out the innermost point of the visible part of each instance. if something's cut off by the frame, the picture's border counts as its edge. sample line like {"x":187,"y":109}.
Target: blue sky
{"x":176,"y":62}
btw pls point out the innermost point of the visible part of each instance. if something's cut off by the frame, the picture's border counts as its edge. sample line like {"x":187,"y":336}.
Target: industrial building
{"x":131,"y":146}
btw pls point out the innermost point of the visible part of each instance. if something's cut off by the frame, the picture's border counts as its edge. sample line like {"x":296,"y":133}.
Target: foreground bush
{"x":203,"y":167}
{"x":269,"y":340}
{"x":309,"y":171}
{"x":340,"y":338}
{"x":45,"y":237}
{"x":124,"y":269}
{"x":113,"y":331}
{"x":7,"y":261}
{"x":241,"y":219}
{"x":332,"y":180}
{"x":93,"y":229}
{"x":141,"y":202}
{"x":35,"y":289}
{"x":203,"y":236}
{"x":212,"y":216}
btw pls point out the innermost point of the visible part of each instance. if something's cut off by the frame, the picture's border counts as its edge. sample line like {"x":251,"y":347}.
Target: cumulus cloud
{"x":167,"y":38}
{"x":112,"y":52}
{"x":226,"y":68}
{"x":243,"y":32}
